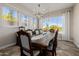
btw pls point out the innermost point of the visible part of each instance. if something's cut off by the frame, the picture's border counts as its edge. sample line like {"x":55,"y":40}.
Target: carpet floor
{"x":65,"y":48}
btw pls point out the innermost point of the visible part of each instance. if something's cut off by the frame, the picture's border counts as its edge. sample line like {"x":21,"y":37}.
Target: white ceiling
{"x":46,"y":7}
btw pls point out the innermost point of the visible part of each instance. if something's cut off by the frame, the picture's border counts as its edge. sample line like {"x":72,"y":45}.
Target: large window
{"x":22,"y":20}
{"x":0,"y":15}
{"x":27,"y":21}
{"x":55,"y":22}
{"x":32,"y":23}
{"x":9,"y":16}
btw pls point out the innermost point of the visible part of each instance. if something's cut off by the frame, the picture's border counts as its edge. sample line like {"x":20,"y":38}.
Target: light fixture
{"x":38,"y":10}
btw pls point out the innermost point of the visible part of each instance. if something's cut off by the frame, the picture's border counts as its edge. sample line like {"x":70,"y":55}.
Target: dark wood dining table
{"x":42,"y":40}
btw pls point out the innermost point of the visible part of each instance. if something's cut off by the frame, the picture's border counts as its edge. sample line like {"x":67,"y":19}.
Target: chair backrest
{"x":56,"y":34}
{"x":52,"y":30}
{"x":41,"y":31}
{"x":21,"y":28}
{"x":25,"y":42}
{"x":17,"y":36}
{"x":29,"y":31}
{"x":55,"y":39}
{"x":53,"y":42}
{"x":36,"y":31}
{"x":50,"y":45}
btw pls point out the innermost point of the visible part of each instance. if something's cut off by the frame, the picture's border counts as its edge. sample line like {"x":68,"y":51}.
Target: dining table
{"x":42,"y":40}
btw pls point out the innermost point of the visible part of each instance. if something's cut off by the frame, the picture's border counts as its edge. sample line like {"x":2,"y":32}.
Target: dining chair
{"x":55,"y":42}
{"x":17,"y":38}
{"x":29,"y":31}
{"x":36,"y":31}
{"x":21,"y":28}
{"x":50,"y":48}
{"x":26,"y":45}
{"x":41,"y":31}
{"x":17,"y":35}
{"x":53,"y":45}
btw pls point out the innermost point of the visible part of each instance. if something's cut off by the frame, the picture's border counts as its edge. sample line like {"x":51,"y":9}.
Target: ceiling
{"x":44,"y":8}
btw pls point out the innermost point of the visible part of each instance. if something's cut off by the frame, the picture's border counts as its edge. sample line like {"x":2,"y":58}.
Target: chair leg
{"x":55,"y":53}
{"x":44,"y":52}
{"x":22,"y":54}
{"x":52,"y":53}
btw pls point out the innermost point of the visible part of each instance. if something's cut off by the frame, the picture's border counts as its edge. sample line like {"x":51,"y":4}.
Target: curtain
{"x":66,"y":31}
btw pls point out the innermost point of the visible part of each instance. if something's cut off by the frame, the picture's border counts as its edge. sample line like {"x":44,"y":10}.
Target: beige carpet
{"x":64,"y":48}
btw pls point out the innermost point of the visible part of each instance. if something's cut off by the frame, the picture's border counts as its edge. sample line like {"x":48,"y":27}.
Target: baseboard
{"x":8,"y":45}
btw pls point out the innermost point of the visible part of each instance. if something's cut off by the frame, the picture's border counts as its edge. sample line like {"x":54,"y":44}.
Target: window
{"x":34,"y":23}
{"x":27,"y":21}
{"x":9,"y":16}
{"x":0,"y":15}
{"x":22,"y":20}
{"x":30,"y":22}
{"x":0,"y":22}
{"x":55,"y":22}
{"x":14,"y":17}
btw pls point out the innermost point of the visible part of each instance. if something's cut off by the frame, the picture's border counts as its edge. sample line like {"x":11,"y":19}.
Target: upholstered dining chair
{"x":17,"y":34}
{"x":50,"y":48}
{"x":41,"y":31}
{"x":36,"y":32}
{"x":29,"y":31}
{"x":55,"y":42}
{"x":17,"y":38}
{"x":21,"y":28}
{"x":26,"y":45}
{"x":53,"y":45}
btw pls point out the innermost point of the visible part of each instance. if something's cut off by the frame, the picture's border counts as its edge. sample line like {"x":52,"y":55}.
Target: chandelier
{"x":38,"y":13}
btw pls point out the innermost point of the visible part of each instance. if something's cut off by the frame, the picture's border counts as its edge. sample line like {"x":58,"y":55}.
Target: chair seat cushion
{"x":35,"y":52}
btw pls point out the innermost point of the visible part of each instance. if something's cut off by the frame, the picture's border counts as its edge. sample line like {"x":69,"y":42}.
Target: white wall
{"x":75,"y":25}
{"x":7,"y":36}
